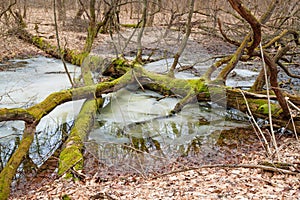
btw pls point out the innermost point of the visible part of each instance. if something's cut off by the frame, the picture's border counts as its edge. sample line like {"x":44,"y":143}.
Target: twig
{"x":292,"y":104}
{"x":257,"y":126}
{"x":269,"y":101}
{"x":58,"y":44}
{"x":291,"y":114}
{"x":137,"y":80}
{"x":8,"y":8}
{"x":251,"y":166}
{"x":83,"y":7}
{"x":287,"y":71}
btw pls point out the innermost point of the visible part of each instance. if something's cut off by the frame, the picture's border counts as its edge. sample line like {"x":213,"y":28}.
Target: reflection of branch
{"x":134,"y":149}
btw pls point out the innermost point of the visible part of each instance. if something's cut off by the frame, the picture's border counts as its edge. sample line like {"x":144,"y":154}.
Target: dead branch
{"x":8,"y":8}
{"x":233,"y":61}
{"x":16,"y":114}
{"x":281,"y":35}
{"x":254,"y":23}
{"x":287,"y":71}
{"x":250,"y":166}
{"x":236,"y":43}
{"x":188,"y":29}
{"x":274,"y":83}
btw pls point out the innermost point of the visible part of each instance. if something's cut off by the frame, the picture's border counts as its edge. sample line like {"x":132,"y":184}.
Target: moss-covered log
{"x":156,"y":82}
{"x":9,"y":171}
{"x":128,"y":72}
{"x":34,"y":114}
{"x":71,"y":56}
{"x":203,"y":89}
{"x":72,"y":154}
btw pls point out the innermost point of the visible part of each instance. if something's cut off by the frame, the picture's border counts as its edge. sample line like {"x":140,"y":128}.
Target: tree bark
{"x":188,"y":89}
{"x":141,"y":32}
{"x":254,"y":23}
{"x":61,"y":10}
{"x":71,"y":155}
{"x":188,"y":30}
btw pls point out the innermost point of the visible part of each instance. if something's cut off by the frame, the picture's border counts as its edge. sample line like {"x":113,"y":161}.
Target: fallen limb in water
{"x":189,"y":90}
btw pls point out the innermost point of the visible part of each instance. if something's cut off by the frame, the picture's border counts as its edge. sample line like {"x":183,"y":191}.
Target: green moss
{"x":44,"y":45}
{"x":78,"y":58}
{"x":9,"y":171}
{"x":131,"y":25}
{"x":37,"y":40}
{"x":46,"y":106}
{"x":264,"y":109}
{"x":70,"y":157}
{"x":119,"y":62}
{"x":66,"y":197}
{"x":199,"y":85}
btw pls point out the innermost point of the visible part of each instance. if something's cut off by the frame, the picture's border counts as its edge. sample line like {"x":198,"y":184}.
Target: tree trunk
{"x":9,"y":171}
{"x":61,"y":10}
{"x":141,"y":32}
{"x":188,"y":29}
{"x":72,"y":154}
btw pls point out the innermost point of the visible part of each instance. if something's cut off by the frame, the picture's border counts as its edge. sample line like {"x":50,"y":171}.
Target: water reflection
{"x":27,"y":82}
{"x":132,"y":132}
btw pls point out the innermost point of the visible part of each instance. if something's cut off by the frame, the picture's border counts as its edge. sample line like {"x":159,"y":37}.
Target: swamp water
{"x":24,"y":83}
{"x":131,"y":127}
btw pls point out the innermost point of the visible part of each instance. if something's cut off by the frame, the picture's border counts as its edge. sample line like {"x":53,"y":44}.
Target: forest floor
{"x":231,"y":169}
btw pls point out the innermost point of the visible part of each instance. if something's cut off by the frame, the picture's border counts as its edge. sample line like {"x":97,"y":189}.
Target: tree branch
{"x":251,"y":166}
{"x":254,"y":23}
{"x":8,"y":8}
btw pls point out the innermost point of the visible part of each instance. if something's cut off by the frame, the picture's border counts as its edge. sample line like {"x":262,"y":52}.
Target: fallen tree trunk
{"x":69,"y":55}
{"x":10,"y":169}
{"x":128,"y":73}
{"x":72,"y":154}
{"x":34,"y":114}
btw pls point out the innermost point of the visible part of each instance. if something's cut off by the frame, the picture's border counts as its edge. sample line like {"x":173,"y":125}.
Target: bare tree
{"x":184,"y":41}
{"x":140,"y":34}
{"x":61,"y":7}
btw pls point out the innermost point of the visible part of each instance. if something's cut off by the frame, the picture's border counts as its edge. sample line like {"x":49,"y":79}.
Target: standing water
{"x":25,"y":83}
{"x":131,"y":126}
